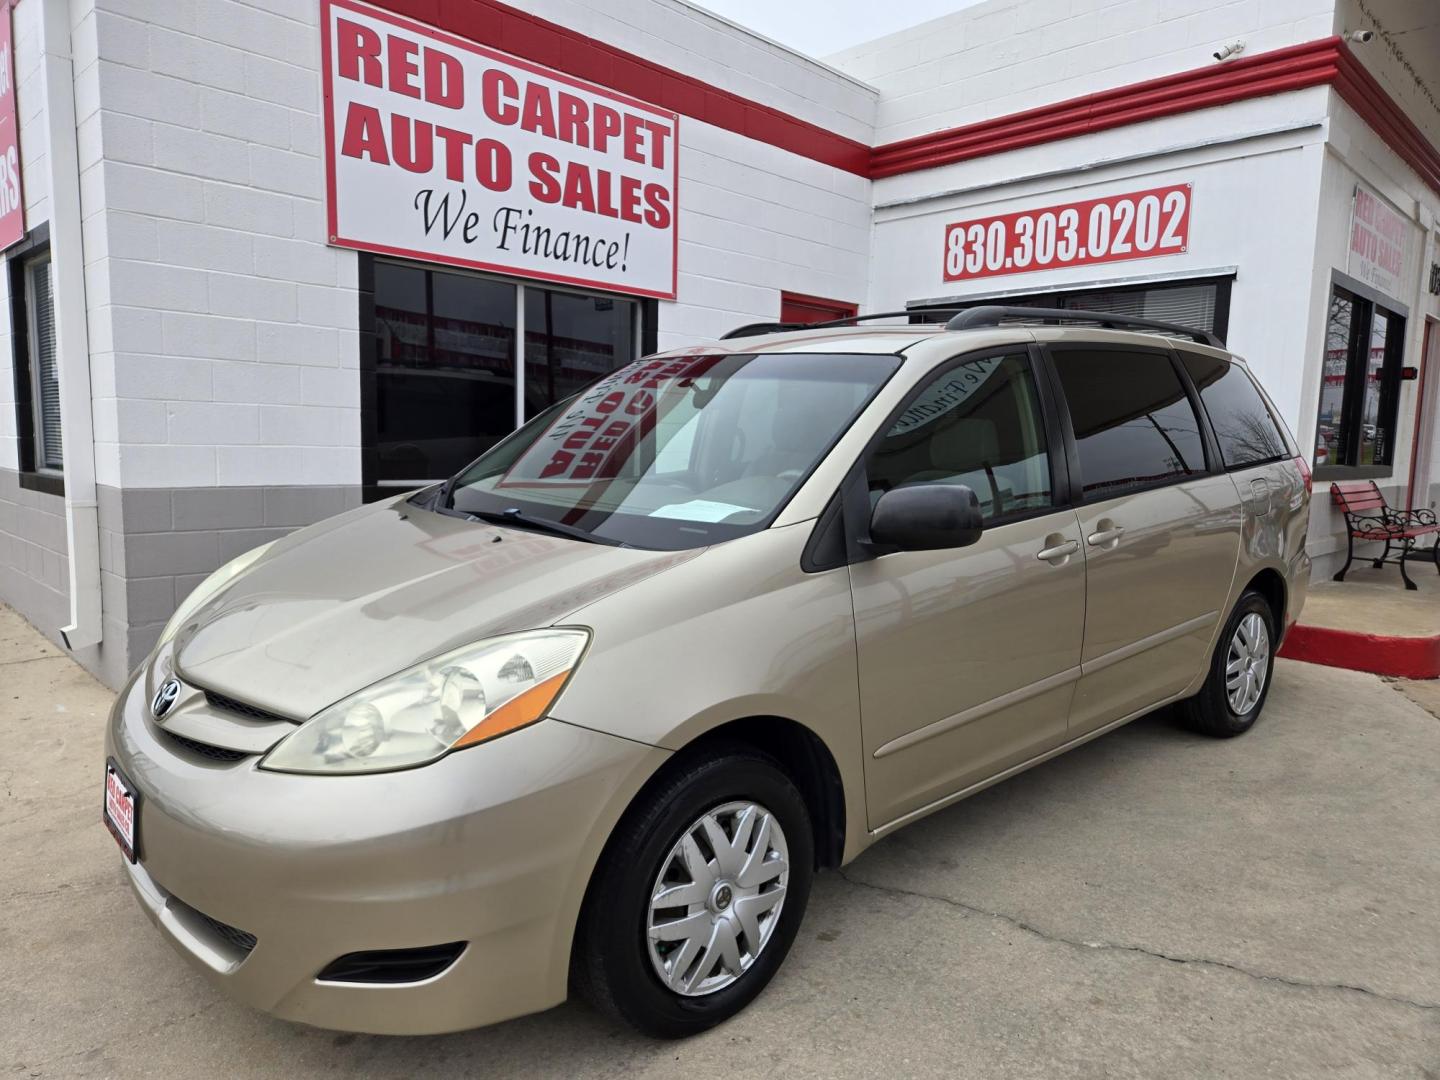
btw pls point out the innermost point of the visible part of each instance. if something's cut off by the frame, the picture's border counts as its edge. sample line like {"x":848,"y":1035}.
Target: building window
{"x":1199,"y":303}
{"x":37,"y":377}
{"x":572,"y":339}
{"x":444,"y":370}
{"x":1359,"y":387}
{"x":442,"y":384}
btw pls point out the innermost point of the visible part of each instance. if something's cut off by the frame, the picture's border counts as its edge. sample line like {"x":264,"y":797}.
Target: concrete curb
{"x":1405,"y":657}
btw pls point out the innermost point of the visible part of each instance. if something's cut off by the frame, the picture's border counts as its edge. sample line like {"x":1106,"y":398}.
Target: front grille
{"x":214,"y":753}
{"x":240,"y":708}
{"x":392,"y":965}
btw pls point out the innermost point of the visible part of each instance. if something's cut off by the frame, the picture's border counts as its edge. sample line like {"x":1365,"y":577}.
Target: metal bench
{"x":1369,"y":518}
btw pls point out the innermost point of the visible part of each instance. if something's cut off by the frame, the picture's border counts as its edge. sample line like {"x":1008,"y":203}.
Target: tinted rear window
{"x":1134,"y":425}
{"x":1244,"y":427}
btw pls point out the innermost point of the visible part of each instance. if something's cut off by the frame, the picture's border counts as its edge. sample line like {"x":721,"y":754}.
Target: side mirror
{"x":927,"y":517}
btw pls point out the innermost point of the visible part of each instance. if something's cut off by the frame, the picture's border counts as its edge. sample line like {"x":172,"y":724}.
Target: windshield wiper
{"x":514,"y":516}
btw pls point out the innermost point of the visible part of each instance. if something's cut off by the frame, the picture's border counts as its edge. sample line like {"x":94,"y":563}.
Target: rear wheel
{"x":1234,"y":692}
{"x":699,"y":897}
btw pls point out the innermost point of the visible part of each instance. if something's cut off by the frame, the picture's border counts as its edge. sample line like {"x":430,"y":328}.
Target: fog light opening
{"x":392,"y":966}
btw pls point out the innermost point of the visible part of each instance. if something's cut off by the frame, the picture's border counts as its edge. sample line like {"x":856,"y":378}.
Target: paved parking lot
{"x":1152,"y":905}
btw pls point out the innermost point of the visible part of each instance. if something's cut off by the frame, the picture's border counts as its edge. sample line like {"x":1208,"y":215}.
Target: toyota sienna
{"x":594,"y":711}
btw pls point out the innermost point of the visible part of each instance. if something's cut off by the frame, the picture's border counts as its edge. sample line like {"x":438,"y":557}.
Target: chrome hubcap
{"x":717,"y":899}
{"x":1247,"y":664}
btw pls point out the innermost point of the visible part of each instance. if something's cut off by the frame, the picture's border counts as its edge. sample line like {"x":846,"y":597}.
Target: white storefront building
{"x":268,"y":258}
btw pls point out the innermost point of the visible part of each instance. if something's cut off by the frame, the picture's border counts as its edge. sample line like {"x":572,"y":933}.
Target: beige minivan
{"x":593,"y":712}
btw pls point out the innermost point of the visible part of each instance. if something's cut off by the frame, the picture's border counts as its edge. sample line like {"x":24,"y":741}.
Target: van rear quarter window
{"x":1244,"y":426}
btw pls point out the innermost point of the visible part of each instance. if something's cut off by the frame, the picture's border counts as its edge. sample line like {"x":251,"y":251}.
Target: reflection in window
{"x":679,"y":452}
{"x":445,"y":362}
{"x":570,"y":341}
{"x":1330,"y":431}
{"x":979,"y":424}
{"x":1134,"y":425}
{"x":1244,"y":426}
{"x":1372,"y":438}
{"x":444,"y":367}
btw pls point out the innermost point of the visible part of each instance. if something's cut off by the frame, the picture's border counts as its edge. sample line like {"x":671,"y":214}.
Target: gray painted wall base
{"x":156,"y":544}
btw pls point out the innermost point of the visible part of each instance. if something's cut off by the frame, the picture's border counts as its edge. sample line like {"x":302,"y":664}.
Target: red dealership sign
{"x":447,"y":151}
{"x":1138,"y":225}
{"x":12,"y":207}
{"x":1379,"y":243}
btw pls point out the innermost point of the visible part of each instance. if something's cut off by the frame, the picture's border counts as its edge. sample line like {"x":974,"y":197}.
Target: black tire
{"x":611,"y":965}
{"x":1209,"y":712}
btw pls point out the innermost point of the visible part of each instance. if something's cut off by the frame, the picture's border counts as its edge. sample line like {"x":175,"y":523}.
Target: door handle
{"x":1058,"y":552}
{"x":1260,"y":495}
{"x":1105,"y":536}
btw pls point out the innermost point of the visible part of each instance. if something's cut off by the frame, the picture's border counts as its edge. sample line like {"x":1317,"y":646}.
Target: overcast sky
{"x":821,"y":27}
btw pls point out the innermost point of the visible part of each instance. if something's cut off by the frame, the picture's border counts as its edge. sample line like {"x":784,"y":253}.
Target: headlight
{"x":207,"y":589}
{"x":459,"y":699}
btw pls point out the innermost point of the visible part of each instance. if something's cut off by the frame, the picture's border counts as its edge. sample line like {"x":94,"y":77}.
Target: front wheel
{"x":1234,"y":691}
{"x":699,"y":896}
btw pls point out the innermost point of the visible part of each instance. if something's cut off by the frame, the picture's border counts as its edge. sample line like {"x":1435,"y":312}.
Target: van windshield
{"x":676,"y":452}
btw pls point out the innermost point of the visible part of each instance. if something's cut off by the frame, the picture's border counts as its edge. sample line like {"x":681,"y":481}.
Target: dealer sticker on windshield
{"x":119,"y":812}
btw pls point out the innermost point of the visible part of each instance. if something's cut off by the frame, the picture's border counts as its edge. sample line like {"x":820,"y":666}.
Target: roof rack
{"x":995,"y":314}
{"x":990,"y":315}
{"x":752,"y":329}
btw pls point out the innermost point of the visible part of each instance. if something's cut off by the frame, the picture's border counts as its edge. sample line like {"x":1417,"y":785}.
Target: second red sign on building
{"x":1135,"y":225}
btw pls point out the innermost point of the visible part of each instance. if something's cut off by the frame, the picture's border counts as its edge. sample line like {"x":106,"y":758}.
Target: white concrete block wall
{"x":215,"y":291}
{"x":755,"y":221}
{"x":1005,"y":56}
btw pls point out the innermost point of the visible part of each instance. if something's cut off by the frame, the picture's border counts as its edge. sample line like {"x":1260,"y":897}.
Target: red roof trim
{"x":1327,"y":61}
{"x":1294,"y":68}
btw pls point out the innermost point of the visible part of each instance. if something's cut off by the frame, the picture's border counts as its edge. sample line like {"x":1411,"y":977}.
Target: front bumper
{"x":492,"y":846}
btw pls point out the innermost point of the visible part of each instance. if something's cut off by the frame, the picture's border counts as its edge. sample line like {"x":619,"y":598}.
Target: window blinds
{"x":47,"y":377}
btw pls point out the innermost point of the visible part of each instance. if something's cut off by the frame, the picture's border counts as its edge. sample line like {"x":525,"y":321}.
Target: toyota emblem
{"x":164,"y":699}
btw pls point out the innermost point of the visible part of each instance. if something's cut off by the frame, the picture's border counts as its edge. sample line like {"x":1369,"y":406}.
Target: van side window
{"x":978,"y":423}
{"x":1134,"y":425}
{"x":1244,"y":426}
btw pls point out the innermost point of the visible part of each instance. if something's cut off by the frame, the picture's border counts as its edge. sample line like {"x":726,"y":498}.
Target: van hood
{"x":336,"y":607}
